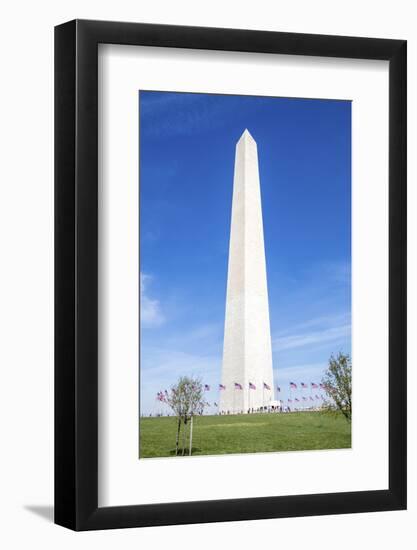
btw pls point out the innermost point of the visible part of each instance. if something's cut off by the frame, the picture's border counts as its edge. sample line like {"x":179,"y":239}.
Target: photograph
{"x":245,"y":274}
{"x":209,"y":272}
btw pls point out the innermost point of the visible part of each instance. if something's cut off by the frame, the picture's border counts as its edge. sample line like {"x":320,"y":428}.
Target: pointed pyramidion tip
{"x":246,"y":136}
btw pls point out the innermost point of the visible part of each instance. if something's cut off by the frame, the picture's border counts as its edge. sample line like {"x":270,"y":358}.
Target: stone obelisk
{"x":247,"y":356}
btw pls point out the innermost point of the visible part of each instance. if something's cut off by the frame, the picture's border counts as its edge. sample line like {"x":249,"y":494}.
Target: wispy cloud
{"x":338,"y":272}
{"x":317,"y":323}
{"x":330,"y":273}
{"x":327,"y":329}
{"x":167,"y":114}
{"x":169,"y":364}
{"x":207,"y":336}
{"x":309,"y":338}
{"x":150,"y":309}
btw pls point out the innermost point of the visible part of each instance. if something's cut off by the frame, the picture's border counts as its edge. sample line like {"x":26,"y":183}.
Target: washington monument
{"x":247,"y":378}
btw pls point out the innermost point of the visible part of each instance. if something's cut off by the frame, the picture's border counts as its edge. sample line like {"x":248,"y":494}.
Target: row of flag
{"x":317,"y":397}
{"x":238,"y":386}
{"x":293,"y":386}
{"x":163,"y":395}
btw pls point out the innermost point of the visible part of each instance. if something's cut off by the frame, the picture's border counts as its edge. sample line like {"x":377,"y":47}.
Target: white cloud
{"x":207,"y":337}
{"x":169,"y":364}
{"x":150,"y":309}
{"x":318,"y":323}
{"x":311,"y":338}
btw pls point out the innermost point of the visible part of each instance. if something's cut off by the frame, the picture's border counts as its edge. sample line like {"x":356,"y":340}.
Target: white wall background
{"x":26,"y":272}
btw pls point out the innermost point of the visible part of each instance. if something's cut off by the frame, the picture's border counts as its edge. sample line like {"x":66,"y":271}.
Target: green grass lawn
{"x":249,"y":433}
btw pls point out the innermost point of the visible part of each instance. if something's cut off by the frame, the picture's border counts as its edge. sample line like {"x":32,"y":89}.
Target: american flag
{"x":252,"y":386}
{"x":293,"y":386}
{"x":297,"y":399}
{"x":304,"y":385}
{"x":221,"y":387}
{"x":313,"y":385}
{"x":266,"y":386}
{"x":160,"y":396}
{"x":206,"y":387}
{"x":278,"y":388}
{"x":238,"y":386}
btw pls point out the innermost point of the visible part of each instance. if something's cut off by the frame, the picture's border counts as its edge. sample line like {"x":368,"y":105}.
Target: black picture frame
{"x":76,"y":273}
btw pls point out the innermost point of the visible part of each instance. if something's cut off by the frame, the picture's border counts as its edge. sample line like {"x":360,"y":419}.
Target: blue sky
{"x":187,"y":147}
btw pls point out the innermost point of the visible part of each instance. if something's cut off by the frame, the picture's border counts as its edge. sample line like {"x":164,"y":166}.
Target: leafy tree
{"x":337,"y":382}
{"x":186,"y":399}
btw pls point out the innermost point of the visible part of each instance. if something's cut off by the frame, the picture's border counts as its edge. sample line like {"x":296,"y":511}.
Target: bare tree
{"x":337,"y":383}
{"x":185,"y":398}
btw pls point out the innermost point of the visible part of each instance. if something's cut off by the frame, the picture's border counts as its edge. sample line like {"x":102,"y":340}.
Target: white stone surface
{"x":247,"y":355}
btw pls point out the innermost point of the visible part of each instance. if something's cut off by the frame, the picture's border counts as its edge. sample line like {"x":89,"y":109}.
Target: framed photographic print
{"x":230,"y":247}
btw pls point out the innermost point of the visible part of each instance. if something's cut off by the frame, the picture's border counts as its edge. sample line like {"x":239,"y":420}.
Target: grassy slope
{"x":248,"y":433}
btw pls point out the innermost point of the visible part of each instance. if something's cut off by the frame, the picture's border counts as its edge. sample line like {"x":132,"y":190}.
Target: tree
{"x":337,"y":383}
{"x":186,"y":399}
